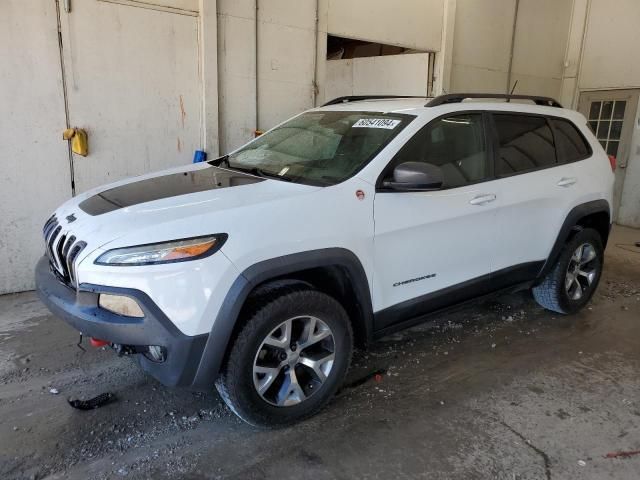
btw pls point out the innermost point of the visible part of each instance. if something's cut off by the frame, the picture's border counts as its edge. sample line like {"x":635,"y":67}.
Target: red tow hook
{"x":97,"y":343}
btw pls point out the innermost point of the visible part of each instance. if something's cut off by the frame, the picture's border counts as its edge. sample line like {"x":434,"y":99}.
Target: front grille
{"x":62,"y":249}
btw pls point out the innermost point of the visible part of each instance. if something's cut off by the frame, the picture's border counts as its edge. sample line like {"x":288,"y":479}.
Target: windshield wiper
{"x":261,"y":173}
{"x":258,"y":172}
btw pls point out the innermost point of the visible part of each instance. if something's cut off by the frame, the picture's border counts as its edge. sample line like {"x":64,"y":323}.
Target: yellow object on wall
{"x":79,"y":140}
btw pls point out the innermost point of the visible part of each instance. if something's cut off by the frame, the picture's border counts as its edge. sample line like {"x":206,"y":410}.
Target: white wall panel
{"x":481,"y":45}
{"x":285,"y":68}
{"x":611,"y":52}
{"x":408,"y":23}
{"x":34,"y":160}
{"x":540,"y":46}
{"x":236,"y":72}
{"x":392,"y":75}
{"x":190,"y":6}
{"x":286,"y":52}
{"x":483,"y":38}
{"x":134,"y":84}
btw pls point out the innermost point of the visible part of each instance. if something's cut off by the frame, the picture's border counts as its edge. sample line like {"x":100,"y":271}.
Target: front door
{"x":133,"y":83}
{"x":611,"y":115}
{"x":434,"y":248}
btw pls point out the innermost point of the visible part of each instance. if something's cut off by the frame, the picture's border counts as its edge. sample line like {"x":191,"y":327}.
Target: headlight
{"x":165,"y":252}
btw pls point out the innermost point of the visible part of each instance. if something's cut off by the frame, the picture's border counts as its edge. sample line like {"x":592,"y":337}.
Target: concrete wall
{"x":540,"y":46}
{"x":286,"y":49}
{"x":34,"y":161}
{"x":610,"y":61}
{"x":236,"y":72}
{"x":392,"y":74}
{"x":286,"y":52}
{"x":484,"y":36}
{"x":611,"y":55}
{"x":408,"y":23}
{"x":292,"y":55}
{"x":481,"y":45}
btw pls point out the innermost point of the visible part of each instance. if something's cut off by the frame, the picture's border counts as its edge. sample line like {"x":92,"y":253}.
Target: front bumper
{"x":80,"y":309}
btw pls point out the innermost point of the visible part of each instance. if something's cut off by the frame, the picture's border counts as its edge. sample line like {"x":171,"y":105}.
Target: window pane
{"x":455,"y":144}
{"x":616,"y":130}
{"x":570,"y":142}
{"x":526,"y":143}
{"x":618,"y":111}
{"x":603,"y":130}
{"x":612,"y":148}
{"x":593,"y":126}
{"x":607,"y":110}
{"x":594,"y":111}
{"x":604,"y":144}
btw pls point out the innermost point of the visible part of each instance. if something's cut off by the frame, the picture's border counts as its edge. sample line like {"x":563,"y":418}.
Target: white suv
{"x":259,"y":271}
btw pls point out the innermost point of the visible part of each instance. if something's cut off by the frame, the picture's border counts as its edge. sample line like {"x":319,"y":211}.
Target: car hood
{"x":176,"y":203}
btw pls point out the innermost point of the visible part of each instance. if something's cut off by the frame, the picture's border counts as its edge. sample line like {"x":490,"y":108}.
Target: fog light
{"x":121,"y":305}
{"x":155,"y":353}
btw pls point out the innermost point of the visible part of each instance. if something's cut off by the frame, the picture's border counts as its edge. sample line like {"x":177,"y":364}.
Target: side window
{"x":570,"y":143}
{"x":525,"y":143}
{"x":456,"y":144}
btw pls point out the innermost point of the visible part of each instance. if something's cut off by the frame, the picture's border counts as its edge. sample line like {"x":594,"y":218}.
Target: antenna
{"x":513,"y":89}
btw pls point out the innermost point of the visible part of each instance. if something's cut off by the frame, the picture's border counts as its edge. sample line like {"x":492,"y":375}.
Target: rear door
{"x":611,"y":115}
{"x":433,"y":248}
{"x":535,"y":189}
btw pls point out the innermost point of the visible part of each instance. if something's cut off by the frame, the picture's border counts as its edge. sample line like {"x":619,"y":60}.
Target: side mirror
{"x":415,"y":176}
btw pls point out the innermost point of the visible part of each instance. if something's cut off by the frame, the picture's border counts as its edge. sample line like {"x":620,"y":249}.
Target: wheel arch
{"x":335,"y":271}
{"x":595,"y":214}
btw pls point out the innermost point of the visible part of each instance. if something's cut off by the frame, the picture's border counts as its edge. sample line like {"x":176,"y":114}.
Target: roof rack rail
{"x":355,"y":98}
{"x":459,"y":97}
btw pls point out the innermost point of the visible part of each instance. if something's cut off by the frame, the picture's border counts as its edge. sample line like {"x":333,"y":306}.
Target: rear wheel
{"x":575,"y":276}
{"x":289,"y":359}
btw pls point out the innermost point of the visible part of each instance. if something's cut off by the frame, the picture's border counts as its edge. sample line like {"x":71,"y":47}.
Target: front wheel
{"x":289,"y":359}
{"x":574,"y":278}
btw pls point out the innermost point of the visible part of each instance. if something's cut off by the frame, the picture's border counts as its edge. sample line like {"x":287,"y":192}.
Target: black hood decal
{"x":172,"y":185}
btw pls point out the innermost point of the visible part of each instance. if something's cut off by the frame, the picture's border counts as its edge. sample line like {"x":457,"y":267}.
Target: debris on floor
{"x":630,"y":453}
{"x":95,"y":402}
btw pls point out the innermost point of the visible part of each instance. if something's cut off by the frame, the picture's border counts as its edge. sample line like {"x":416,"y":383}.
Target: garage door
{"x":34,"y":161}
{"x":130,"y":72}
{"x":132,"y":80}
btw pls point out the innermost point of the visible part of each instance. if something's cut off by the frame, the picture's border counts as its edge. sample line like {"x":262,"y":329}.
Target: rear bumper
{"x":80,"y":309}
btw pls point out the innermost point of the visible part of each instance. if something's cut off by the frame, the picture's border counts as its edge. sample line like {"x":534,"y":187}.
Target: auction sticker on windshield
{"x":387,"y":123}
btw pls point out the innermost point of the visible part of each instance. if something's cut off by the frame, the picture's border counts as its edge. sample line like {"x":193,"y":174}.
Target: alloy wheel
{"x":294,"y":361}
{"x":581,"y":271}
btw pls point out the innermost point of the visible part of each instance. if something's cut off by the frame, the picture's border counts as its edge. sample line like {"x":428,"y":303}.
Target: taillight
{"x":612,"y":161}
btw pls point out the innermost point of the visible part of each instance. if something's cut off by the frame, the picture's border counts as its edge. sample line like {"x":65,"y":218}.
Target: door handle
{"x":566,"y":181}
{"x":482,"y":199}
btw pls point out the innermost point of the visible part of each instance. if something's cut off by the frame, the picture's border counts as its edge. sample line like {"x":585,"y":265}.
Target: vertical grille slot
{"x":50,"y":246}
{"x":73,"y":254}
{"x":47,"y":226}
{"x":62,"y":248}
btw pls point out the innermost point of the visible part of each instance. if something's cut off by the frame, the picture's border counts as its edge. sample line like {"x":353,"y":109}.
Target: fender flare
{"x":569,"y":225}
{"x":227,"y":317}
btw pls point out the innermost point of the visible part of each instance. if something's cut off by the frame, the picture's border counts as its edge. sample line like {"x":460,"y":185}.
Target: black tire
{"x":552,"y":292}
{"x":236,"y":381}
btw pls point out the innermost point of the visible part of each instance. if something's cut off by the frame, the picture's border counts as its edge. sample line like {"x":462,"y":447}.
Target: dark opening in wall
{"x":340,"y":48}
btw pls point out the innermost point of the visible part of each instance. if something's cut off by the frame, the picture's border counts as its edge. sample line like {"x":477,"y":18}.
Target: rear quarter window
{"x":525,"y":143}
{"x":570,"y":143}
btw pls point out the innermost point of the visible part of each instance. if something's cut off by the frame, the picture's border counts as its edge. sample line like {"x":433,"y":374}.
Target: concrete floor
{"x":499,"y":389}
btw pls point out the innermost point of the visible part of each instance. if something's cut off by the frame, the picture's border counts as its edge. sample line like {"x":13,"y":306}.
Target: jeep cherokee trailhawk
{"x":259,"y":271}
